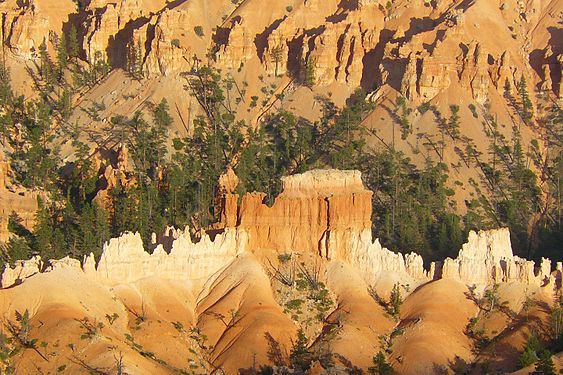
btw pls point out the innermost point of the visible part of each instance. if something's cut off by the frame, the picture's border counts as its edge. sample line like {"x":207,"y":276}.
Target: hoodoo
{"x":324,"y":213}
{"x":238,"y":285}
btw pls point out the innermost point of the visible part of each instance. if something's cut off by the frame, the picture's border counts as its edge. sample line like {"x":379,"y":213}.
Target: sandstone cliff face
{"x":27,"y":24}
{"x":324,"y":213}
{"x":312,"y":214}
{"x":487,"y":258}
{"x":125,"y":260}
{"x":14,"y":199}
{"x":420,"y":50}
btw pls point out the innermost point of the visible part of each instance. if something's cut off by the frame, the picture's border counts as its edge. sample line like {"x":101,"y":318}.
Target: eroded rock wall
{"x":322,"y":212}
{"x":307,"y":216}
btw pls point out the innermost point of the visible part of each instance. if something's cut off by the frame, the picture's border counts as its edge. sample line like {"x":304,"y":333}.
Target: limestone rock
{"x":487,"y":258}
{"x":125,"y":260}
{"x":239,"y":47}
{"x":27,"y":24}
{"x":170,"y":49}
{"x":315,"y":213}
{"x":323,"y":213}
{"x":22,"y":269}
{"x":65,"y":263}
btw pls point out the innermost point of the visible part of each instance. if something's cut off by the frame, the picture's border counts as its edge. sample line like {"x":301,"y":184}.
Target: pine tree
{"x":528,"y":357}
{"x":102,"y":224}
{"x":453,"y":122}
{"x":73,"y":47}
{"x":525,"y":102}
{"x":309,"y":72}
{"x":380,"y":365}
{"x":300,"y":356}
{"x":395,"y":301}
{"x":135,"y":59}
{"x":545,"y":364}
{"x":64,"y":105}
{"x":6,"y":94}
{"x":46,"y":67}
{"x":277,"y":55}
{"x":531,"y":350}
{"x":62,"y":54}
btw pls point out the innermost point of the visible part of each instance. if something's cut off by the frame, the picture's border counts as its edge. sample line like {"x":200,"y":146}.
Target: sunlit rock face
{"x":320,"y":213}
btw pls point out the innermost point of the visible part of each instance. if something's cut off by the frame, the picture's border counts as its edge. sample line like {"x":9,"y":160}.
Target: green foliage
{"x":531,"y":350}
{"x":62,"y":54}
{"x":545,"y":364}
{"x":6,"y":94}
{"x":526,"y":107}
{"x":395,"y":301}
{"x":91,"y":329}
{"x":199,"y":31}
{"x":277,"y":55}
{"x":412,"y":208}
{"x":135,"y":59}
{"x":402,"y":111}
{"x":73,"y":45}
{"x":473,"y":110}
{"x":491,"y":300}
{"x":380,"y":365}
{"x":97,"y":69}
{"x":300,"y":355}
{"x":309,"y":75}
{"x":424,"y":107}
{"x":512,"y":194}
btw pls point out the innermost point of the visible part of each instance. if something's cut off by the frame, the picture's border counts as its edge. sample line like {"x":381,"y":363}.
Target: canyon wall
{"x":418,"y":49}
{"x":314,"y":213}
{"x":323,"y":212}
{"x":15,"y":200}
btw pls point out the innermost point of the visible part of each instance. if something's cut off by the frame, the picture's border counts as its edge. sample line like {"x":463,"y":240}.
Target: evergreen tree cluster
{"x":176,"y":180}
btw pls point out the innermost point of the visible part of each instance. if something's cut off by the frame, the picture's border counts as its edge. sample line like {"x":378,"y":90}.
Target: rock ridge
{"x":324,"y":212}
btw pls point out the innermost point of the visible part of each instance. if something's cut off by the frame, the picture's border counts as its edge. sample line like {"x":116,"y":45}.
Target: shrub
{"x":199,"y":31}
{"x":473,"y":110}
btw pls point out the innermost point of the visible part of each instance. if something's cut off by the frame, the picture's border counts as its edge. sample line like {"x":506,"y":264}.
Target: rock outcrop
{"x":21,"y":270}
{"x":320,"y":213}
{"x":14,"y":200}
{"x":487,"y":258}
{"x":316,"y":212}
{"x":125,"y":260}
{"x":27,"y":24}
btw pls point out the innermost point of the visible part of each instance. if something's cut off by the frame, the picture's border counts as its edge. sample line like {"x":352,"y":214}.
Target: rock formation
{"x":487,"y":258}
{"x":315,"y":213}
{"x":323,"y":213}
{"x":14,"y":200}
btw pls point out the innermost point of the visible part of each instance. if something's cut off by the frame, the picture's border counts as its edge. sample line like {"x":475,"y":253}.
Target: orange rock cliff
{"x":322,"y":212}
